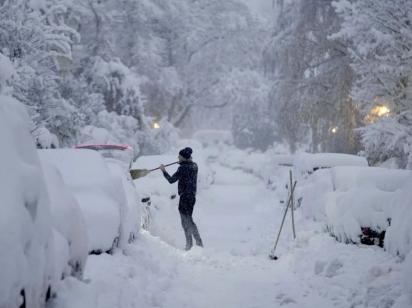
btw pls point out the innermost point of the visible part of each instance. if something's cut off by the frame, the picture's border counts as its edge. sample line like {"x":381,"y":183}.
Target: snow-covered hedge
{"x":389,"y":138}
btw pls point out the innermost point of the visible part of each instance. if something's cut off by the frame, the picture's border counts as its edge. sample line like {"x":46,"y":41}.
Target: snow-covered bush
{"x":39,"y":43}
{"x":379,"y":34}
{"x":109,"y":127}
{"x":212,"y":137}
{"x":389,"y":138}
{"x":120,"y":87}
{"x":7,"y":71}
{"x":26,"y":240}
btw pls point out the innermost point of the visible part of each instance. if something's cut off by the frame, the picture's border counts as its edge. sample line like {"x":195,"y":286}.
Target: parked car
{"x":312,"y":171}
{"x":120,"y":152}
{"x":26,"y":234}
{"x":307,"y":163}
{"x":100,"y":195}
{"x":363,"y":202}
{"x":356,"y":204}
{"x":68,"y":223}
{"x":131,"y":213}
{"x":119,"y":159}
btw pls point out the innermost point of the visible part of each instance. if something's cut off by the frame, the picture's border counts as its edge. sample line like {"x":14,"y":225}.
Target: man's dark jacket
{"x":186,"y":174}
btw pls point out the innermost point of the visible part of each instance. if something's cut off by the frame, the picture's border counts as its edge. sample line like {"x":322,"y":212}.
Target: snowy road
{"x":238,"y":219}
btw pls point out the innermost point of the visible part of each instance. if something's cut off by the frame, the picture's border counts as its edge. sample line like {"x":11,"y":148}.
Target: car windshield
{"x":118,"y":154}
{"x":113,"y":152}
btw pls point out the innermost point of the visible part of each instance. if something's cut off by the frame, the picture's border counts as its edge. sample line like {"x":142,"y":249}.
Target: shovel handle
{"x":176,"y":162}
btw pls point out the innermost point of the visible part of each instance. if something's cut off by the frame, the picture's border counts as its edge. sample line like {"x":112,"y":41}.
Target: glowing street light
{"x":381,"y":111}
{"x":334,"y":130}
{"x":155,"y":125}
{"x":378,"y":111}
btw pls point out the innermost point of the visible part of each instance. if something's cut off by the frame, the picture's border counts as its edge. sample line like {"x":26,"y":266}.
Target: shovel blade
{"x":138,"y":173}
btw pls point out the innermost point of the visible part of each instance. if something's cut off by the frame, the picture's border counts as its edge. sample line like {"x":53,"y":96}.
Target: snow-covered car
{"x":131,"y":214}
{"x":307,"y":163}
{"x":356,"y":204}
{"x":120,"y":152}
{"x":68,"y":223}
{"x":100,"y":195}
{"x":119,"y":159}
{"x":26,"y":235}
{"x":364,"y":202}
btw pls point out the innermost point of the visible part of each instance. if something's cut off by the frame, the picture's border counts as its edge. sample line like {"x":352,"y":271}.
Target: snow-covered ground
{"x":238,"y":218}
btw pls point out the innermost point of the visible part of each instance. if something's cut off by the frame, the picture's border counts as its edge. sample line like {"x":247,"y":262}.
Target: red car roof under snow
{"x":104,"y":146}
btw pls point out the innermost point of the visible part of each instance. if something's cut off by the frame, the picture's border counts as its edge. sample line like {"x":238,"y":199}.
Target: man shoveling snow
{"x":186,"y":175}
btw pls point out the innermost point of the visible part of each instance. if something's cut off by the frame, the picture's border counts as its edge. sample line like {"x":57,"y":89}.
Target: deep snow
{"x":238,"y":219}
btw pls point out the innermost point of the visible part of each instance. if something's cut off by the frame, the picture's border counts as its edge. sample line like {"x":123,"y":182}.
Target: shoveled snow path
{"x":238,"y":219}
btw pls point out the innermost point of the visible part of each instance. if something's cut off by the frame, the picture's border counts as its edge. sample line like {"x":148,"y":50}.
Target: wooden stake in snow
{"x":272,"y":255}
{"x":292,"y":206}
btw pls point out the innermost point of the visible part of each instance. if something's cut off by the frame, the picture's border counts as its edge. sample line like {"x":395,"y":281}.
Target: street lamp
{"x":377,"y":112}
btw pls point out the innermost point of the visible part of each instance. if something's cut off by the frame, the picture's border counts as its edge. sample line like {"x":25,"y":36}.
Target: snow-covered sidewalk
{"x":238,"y":220}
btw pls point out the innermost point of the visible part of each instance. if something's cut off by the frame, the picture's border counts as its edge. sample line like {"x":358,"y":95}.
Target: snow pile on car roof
{"x":388,"y":180}
{"x":305,"y":162}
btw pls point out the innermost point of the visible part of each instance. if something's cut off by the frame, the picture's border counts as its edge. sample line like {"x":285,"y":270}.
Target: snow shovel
{"x":272,"y":255}
{"x":139,"y":173}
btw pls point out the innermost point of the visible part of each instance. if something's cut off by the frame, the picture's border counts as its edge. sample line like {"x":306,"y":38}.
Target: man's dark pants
{"x":186,"y":204}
